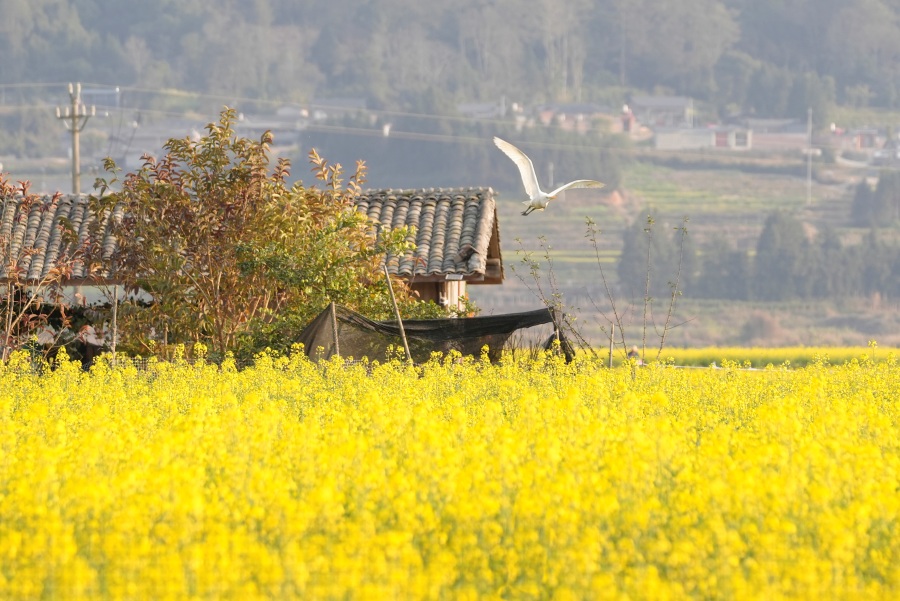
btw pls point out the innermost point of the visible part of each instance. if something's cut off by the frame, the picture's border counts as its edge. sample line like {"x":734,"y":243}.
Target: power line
{"x":373,"y":132}
{"x":453,"y":138}
{"x":174,"y":92}
{"x":30,"y":85}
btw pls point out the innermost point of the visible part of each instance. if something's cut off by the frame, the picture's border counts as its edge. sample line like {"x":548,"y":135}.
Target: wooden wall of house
{"x":445,"y":294}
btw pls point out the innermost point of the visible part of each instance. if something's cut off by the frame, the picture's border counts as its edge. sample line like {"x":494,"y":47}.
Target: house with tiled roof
{"x":454,"y":235}
{"x":578,"y":117}
{"x":663,"y":111}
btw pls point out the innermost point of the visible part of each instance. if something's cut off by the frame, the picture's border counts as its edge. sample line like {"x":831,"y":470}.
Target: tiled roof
{"x":455,"y":237}
{"x":35,"y":235}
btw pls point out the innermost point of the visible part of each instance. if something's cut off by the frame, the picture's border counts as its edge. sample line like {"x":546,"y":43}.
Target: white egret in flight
{"x":537,"y":198}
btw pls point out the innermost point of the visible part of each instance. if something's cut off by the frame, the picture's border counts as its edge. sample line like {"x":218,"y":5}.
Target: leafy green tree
{"x":490,"y":42}
{"x":810,"y":91}
{"x":862,"y":41}
{"x":788,"y":33}
{"x":42,"y":36}
{"x":862,"y":210}
{"x":876,"y":264}
{"x":678,"y":46}
{"x":733,"y":77}
{"x":652,"y":249}
{"x":724,"y":272}
{"x":893,"y":287}
{"x":887,"y":196}
{"x":829,"y":273}
{"x":878,"y":207}
{"x":228,"y":253}
{"x":769,"y":91}
{"x":780,"y":262}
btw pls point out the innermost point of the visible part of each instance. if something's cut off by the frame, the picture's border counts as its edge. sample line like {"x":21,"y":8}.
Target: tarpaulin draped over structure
{"x":340,"y":331}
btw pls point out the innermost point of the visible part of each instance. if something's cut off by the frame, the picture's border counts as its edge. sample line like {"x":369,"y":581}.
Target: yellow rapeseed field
{"x":456,"y":480}
{"x":795,"y":356}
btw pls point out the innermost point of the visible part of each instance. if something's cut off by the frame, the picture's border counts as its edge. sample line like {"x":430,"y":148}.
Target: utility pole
{"x":75,"y":118}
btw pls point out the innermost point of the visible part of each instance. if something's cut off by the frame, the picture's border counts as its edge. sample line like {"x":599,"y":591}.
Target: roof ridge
{"x":440,"y":190}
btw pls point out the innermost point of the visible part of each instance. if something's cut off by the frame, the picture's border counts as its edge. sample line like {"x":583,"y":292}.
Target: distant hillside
{"x":403,"y":57}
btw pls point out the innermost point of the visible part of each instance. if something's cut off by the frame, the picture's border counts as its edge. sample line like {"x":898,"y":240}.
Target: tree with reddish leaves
{"x":226,"y":252}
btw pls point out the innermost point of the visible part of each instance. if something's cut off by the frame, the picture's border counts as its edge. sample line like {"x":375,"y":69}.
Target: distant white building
{"x":723,"y":137}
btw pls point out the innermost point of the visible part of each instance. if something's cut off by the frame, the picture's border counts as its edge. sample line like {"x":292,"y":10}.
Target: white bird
{"x":537,"y":198}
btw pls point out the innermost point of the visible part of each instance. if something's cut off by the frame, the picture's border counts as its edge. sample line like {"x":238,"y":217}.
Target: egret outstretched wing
{"x":526,"y":168}
{"x":578,"y":183}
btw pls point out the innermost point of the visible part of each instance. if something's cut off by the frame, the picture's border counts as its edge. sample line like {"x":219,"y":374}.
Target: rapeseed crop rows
{"x":456,"y":480}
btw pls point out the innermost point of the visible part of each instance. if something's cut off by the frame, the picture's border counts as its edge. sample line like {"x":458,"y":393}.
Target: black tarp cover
{"x":358,"y":336}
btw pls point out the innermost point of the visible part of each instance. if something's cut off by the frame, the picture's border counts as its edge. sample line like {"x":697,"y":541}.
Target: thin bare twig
{"x":648,"y":300}
{"x":617,"y":317}
{"x":675,"y":290}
